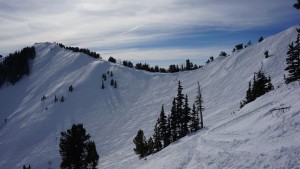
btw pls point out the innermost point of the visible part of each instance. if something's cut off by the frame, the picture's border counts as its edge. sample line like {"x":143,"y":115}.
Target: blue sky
{"x":156,"y":31}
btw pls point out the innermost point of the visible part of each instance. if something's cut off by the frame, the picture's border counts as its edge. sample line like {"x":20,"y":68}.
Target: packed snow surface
{"x":256,"y":136}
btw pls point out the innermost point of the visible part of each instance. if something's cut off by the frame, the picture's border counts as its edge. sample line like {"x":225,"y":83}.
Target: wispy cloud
{"x":114,"y":24}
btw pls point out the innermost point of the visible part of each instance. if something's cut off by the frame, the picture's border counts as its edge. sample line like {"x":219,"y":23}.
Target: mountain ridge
{"x":113,"y":116}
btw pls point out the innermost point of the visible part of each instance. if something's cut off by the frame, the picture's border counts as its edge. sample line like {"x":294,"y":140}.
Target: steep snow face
{"x":253,"y":137}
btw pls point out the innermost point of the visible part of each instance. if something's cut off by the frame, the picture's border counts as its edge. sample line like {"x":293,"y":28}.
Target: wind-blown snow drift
{"x":253,"y":137}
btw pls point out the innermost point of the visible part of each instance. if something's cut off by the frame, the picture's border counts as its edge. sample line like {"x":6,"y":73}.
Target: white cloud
{"x":113,"y":23}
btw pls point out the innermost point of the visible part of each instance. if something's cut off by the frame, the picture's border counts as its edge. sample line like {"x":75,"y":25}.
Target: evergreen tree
{"x":29,"y":167}
{"x":102,"y":86}
{"x":168,"y":132}
{"x":174,"y":122}
{"x":76,"y":150}
{"x":157,"y":139}
{"x":140,"y":142}
{"x":261,"y":39}
{"x":179,"y":108}
{"x":199,"y":105}
{"x":162,"y":125}
{"x":15,"y":65}
{"x":104,"y":77}
{"x":92,"y":156}
{"x":293,"y":60}
{"x":111,"y":59}
{"x":185,"y":118}
{"x":239,"y":46}
{"x":71,"y":88}
{"x":266,"y":54}
{"x":223,"y":54}
{"x":195,"y":122}
{"x":188,"y":64}
{"x":55,"y":99}
{"x":150,"y":145}
{"x":111,"y":74}
{"x":112,"y":82}
{"x":115,"y":84}
{"x":261,"y":85}
{"x":62,"y":99}
{"x":249,"y":94}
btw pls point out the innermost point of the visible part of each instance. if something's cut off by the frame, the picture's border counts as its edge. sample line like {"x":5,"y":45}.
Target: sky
{"x":159,"y":32}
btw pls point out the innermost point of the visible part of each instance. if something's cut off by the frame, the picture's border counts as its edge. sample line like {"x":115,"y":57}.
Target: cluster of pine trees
{"x":172,"y":68}
{"x":241,"y":46}
{"x":188,"y":66}
{"x":293,"y":60}
{"x":112,"y":82}
{"x":148,"y":68}
{"x":261,"y":85}
{"x":182,"y":121}
{"x":83,"y":50}
{"x":15,"y":65}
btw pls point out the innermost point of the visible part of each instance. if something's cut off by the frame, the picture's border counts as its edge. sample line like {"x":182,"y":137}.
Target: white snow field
{"x":253,"y":137}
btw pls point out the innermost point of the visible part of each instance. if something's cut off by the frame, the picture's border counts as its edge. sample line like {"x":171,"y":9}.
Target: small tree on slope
{"x":140,"y":142}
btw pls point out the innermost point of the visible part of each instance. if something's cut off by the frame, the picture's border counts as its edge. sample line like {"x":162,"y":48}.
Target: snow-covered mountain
{"x":253,"y":137}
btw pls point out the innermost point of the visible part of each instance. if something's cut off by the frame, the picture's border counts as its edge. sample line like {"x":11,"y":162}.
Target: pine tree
{"x":140,"y":142}
{"x":199,"y":105}
{"x":55,"y":99}
{"x":150,"y":145}
{"x":185,"y":118}
{"x":174,"y":121}
{"x":168,"y":132}
{"x":115,"y":84}
{"x":102,"y":86}
{"x":179,"y":108}
{"x":92,"y":157}
{"x":195,"y":122}
{"x":249,"y":94}
{"x":76,"y":150}
{"x":261,"y":39}
{"x":62,"y":99}
{"x":188,"y":64}
{"x":293,"y":60}
{"x":111,"y":59}
{"x":112,"y":82}
{"x":104,"y":77}
{"x":261,"y":85}
{"x":266,"y":54}
{"x":71,"y":88}
{"x":157,"y":139}
{"x":162,"y":126}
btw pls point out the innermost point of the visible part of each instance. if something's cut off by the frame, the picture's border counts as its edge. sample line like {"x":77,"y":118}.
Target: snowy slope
{"x":254,"y":137}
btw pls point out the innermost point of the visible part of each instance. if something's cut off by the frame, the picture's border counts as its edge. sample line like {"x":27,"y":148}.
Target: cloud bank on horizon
{"x":122,"y":26}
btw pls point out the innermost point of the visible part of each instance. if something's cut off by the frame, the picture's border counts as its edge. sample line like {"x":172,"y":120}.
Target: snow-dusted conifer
{"x":293,"y":60}
{"x":141,"y":148}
